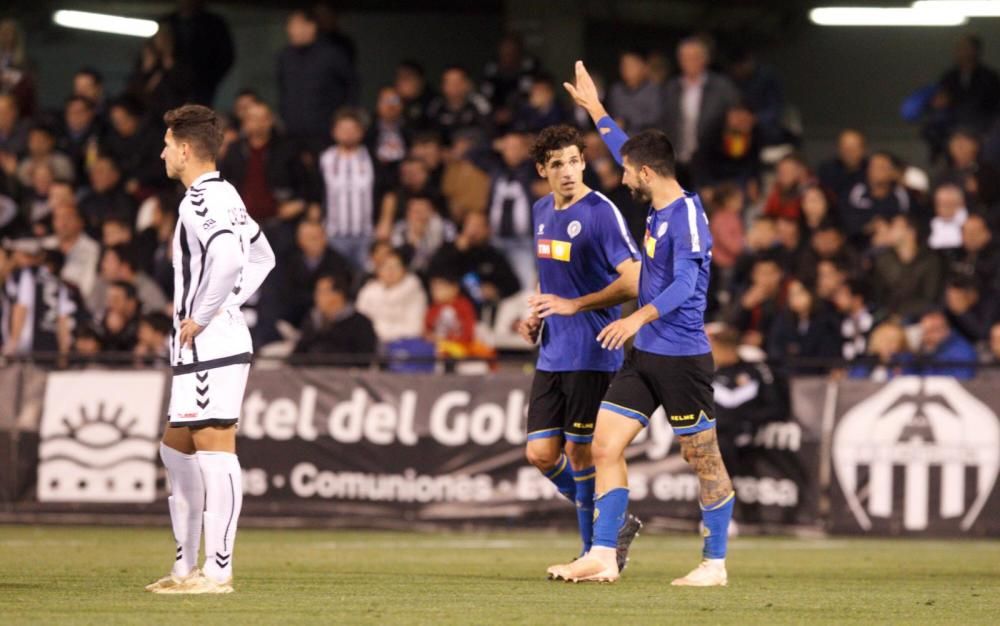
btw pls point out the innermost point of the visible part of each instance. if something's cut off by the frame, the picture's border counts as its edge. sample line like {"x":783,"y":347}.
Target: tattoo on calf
{"x":701,"y":451}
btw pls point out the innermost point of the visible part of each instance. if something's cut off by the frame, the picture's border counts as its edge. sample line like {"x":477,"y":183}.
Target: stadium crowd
{"x":407,"y":226}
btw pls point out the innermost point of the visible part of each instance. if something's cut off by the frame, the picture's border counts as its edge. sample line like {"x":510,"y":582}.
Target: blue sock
{"x":716,"y":518}
{"x":562,"y":477}
{"x":585,"y":504}
{"x":609,"y":516}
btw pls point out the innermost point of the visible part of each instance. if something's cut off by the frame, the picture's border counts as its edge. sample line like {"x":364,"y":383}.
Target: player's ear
{"x":540,"y":168}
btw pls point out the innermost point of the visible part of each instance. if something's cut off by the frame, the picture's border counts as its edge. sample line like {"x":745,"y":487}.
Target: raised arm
{"x":584,"y":93}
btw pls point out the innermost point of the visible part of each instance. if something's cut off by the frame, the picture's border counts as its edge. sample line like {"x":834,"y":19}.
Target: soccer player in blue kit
{"x":671,"y":362}
{"x":587,"y":265}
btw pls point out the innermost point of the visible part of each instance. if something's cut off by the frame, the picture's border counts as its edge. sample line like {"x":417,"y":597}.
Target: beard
{"x":641,"y":194}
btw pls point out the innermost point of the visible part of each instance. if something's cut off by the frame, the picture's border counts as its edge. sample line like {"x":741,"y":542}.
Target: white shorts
{"x":210,"y":378}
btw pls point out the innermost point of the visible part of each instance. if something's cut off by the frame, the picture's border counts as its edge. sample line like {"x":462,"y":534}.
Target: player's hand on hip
{"x":584,"y":92}
{"x":546,"y":304}
{"x":617,"y":333}
{"x":189,"y":330}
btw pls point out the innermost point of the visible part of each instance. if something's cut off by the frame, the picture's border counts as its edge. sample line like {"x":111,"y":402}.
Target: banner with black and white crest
{"x":916,"y":456}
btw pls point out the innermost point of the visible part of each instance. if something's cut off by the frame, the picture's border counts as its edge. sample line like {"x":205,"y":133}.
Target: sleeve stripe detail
{"x":693,"y":225}
{"x":256,"y":237}
{"x":621,"y":224}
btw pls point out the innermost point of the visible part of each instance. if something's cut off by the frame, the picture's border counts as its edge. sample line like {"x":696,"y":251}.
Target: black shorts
{"x":565,"y":404}
{"x":682,"y":385}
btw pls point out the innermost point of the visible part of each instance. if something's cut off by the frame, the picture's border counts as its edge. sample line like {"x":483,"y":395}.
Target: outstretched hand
{"x":584,"y":92}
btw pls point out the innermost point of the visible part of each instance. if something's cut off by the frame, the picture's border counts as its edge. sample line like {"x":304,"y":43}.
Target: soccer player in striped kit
{"x":220,"y":258}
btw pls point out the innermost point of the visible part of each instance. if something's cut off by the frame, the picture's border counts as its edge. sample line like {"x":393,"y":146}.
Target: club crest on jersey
{"x":662,"y":230}
{"x":554,"y":249}
{"x":574,"y":228}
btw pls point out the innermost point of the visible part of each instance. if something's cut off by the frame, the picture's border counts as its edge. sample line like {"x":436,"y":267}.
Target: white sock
{"x":223,"y":501}
{"x":186,"y":502}
{"x":716,"y":562}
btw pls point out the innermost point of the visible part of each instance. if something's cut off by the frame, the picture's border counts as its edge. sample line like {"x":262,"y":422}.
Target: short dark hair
{"x":126,"y":254}
{"x":336,"y":282}
{"x":87,"y":102}
{"x":427,"y":136}
{"x":350,"y":113}
{"x":94,"y":74}
{"x":197,"y":125}
{"x":455,"y":67}
{"x":555,"y":138}
{"x":652,"y":149}
{"x":127,"y":287}
{"x":159,"y":322}
{"x":409,"y":65}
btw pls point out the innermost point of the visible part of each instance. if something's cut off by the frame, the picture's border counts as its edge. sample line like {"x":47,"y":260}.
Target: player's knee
{"x":542,"y":458}
{"x":604,"y":453}
{"x":579,"y":455}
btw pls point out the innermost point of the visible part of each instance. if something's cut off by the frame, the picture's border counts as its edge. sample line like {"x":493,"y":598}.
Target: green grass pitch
{"x":95,"y":576}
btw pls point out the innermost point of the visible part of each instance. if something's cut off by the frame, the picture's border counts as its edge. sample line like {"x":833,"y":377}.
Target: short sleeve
{"x":688,"y":238}
{"x":613,"y":236}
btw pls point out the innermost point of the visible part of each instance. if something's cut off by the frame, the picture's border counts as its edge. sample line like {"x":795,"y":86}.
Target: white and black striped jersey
{"x":349,"y":196}
{"x":220,"y":258}
{"x":46,"y":299}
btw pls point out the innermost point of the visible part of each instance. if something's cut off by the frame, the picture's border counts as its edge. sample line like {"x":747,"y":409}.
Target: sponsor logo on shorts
{"x":687,"y":419}
{"x":583,"y":424}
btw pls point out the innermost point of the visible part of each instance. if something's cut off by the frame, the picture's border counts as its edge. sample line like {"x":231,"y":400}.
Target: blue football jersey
{"x":679,"y":231}
{"x":577,"y":250}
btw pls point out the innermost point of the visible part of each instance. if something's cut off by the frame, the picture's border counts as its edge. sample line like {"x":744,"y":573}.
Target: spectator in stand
{"x":728,"y":243}
{"x":753,"y":311}
{"x":158,"y":82}
{"x":541,"y":108}
{"x":265,"y":169}
{"x":831,"y":275}
{"x":511,"y":199}
{"x":994,"y":343}
{"x":329,"y":29}
{"x":16,"y":77}
{"x":80,"y":252}
{"x":334,"y":328}
{"x":451,"y":320}
{"x":695,"y":104}
{"x":34,"y":197}
{"x":311,"y":259}
{"x":949,"y":216}
{"x":394,"y":300}
{"x":880,"y":195}
{"x":42,"y":149}
{"x":13,"y":128}
{"x":388,"y":138}
{"x":979,"y":257}
{"x":792,"y":250}
{"x":152,"y":340}
{"x":978,"y":180}
{"x":889,"y":354}
{"x":414,"y":179}
{"x":458,"y":106}
{"x":827,"y":242}
{"x":635,"y":101}
{"x":857,"y":319}
{"x":487,"y":277}
{"x":315,"y":79}
{"x":968,"y":313}
{"x":734,"y":154}
{"x":105,"y":197}
{"x":815,"y":208}
{"x":971,"y":89}
{"x":79,"y":135}
{"x":120,"y":323}
{"x":349,"y":187}
{"x":465,"y":184}
{"x":849,"y":168}
{"x":428,"y":148}
{"x":791,"y":178}
{"x":89,"y":83}
{"x":907,"y":277}
{"x":119,"y":264}
{"x":422,"y":232}
{"x":805,"y":329}
{"x":761,"y":91}
{"x":944,"y":351}
{"x":39,"y":309}
{"x":135,"y":145}
{"x":507,"y":80}
{"x":761,"y":240}
{"x":203,"y":47}
{"x":116,"y":231}
{"x":411,"y":85}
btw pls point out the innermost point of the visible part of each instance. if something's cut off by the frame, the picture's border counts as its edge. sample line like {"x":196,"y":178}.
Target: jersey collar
{"x":204,"y":177}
